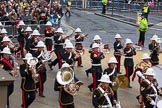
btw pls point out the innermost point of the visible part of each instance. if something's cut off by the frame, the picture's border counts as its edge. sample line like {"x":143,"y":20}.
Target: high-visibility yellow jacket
{"x":143,"y":26}
{"x":104,"y":2}
{"x":145,"y":9}
{"x":69,"y":3}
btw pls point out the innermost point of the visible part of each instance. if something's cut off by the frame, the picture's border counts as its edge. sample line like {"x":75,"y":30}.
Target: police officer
{"x":111,"y":71}
{"x":129,"y":51}
{"x":68,"y":5}
{"x":118,"y":49}
{"x":8,"y":64}
{"x":66,"y":98}
{"x":48,"y":36}
{"x":103,"y":95}
{"x":28,"y":36}
{"x":154,"y":48}
{"x":21,"y":37}
{"x":149,"y":89}
{"x":58,"y":46}
{"x":143,"y":27}
{"x":79,"y":38}
{"x":40,"y":67}
{"x":146,"y":10}
{"x":96,"y":58}
{"x":104,"y":4}
{"x":27,"y":83}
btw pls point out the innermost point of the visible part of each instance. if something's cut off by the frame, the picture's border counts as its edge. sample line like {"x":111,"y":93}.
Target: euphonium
{"x":65,"y":77}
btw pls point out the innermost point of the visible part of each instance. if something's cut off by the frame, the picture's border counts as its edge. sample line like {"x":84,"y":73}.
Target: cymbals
{"x":123,"y":81}
{"x":116,"y":83}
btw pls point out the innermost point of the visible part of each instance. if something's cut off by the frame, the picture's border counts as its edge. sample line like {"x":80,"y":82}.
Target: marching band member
{"x":154,"y":48}
{"x":21,"y":37}
{"x":148,"y":89}
{"x":8,"y":65}
{"x":27,"y":83}
{"x":33,"y":40}
{"x":3,"y":34}
{"x":48,"y":34}
{"x":66,"y":98}
{"x":111,"y":71}
{"x":118,"y":47}
{"x":40,"y":67}
{"x":96,"y":58}
{"x":79,"y":38}
{"x":58,"y":46}
{"x":4,"y":43}
{"x":68,"y":56}
{"x":28,"y":31}
{"x":129,"y":51}
{"x":142,"y":67}
{"x":103,"y":95}
{"x":96,"y":39}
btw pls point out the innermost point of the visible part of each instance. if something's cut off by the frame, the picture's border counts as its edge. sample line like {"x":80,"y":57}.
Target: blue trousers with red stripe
{"x":27,"y":98}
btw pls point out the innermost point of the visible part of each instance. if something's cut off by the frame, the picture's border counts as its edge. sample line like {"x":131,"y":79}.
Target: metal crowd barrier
{"x":12,"y":28}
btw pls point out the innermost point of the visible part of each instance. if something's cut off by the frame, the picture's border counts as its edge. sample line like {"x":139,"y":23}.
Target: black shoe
{"x":50,"y":66}
{"x":80,"y":65}
{"x":87,"y":73}
{"x":90,"y":89}
{"x":42,"y":95}
{"x":129,"y":86}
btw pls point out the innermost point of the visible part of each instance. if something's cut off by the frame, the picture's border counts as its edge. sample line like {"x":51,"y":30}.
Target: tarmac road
{"x":91,"y":24}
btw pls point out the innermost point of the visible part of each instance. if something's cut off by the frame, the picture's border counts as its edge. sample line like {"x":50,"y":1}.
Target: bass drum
{"x":159,"y":104}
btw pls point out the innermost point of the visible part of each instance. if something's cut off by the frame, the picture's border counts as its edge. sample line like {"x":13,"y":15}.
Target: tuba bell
{"x":65,"y":77}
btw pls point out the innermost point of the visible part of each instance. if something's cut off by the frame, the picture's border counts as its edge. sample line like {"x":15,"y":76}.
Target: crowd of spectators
{"x":31,"y":12}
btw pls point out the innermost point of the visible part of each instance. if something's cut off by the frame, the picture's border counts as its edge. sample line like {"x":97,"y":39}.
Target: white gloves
{"x":152,"y":102}
{"x":118,"y":106}
{"x":140,"y":74}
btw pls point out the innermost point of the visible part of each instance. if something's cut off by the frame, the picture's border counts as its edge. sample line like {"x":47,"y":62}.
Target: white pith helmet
{"x":105,"y":78}
{"x":112,"y":60}
{"x":21,"y":23}
{"x":97,"y":37}
{"x":36,"y":32}
{"x":40,"y":44}
{"x":154,"y":37}
{"x":95,"y":45}
{"x":150,"y":71}
{"x":117,"y":36}
{"x":28,"y":29}
{"x":6,"y":39}
{"x":59,"y":30}
{"x":3,"y":31}
{"x":69,"y":45}
{"x":48,"y":23}
{"x":78,"y":30}
{"x":6,"y":50}
{"x":145,"y":56}
{"x":28,"y":55}
{"x":65,"y":65}
{"x":128,"y":41}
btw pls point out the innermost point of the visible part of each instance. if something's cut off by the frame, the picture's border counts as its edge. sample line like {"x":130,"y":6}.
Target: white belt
{"x":58,"y":43}
{"x":105,"y":106}
{"x":78,"y":42}
{"x":96,"y":64}
{"x":152,"y":95}
{"x":128,"y":57}
{"x":48,"y":37}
